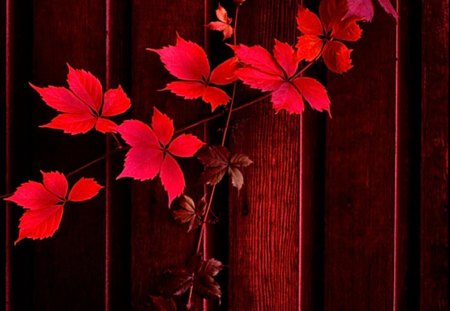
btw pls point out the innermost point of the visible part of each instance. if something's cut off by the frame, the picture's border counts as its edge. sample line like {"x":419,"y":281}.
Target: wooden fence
{"x":348,"y":213}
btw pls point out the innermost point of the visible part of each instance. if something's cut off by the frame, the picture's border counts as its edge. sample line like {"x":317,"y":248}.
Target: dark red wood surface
{"x":348,"y":213}
{"x":434,"y":157}
{"x":360,"y":175}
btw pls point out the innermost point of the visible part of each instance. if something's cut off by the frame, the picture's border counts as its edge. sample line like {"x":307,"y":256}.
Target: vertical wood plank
{"x":312,"y":202}
{"x":407,"y":159}
{"x":117,"y":195}
{"x":434,"y":159}
{"x":158,"y":242}
{"x":264,"y":217}
{"x":68,"y":268}
{"x":17,"y":129}
{"x":359,"y":214}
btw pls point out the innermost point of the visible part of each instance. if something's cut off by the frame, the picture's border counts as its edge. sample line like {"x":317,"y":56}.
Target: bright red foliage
{"x":83,"y":105}
{"x":279,"y":75}
{"x":322,"y":36}
{"x":152,"y":151}
{"x":45,"y":203}
{"x":364,"y":9}
{"x":188,"y":62}
{"x":224,"y":23}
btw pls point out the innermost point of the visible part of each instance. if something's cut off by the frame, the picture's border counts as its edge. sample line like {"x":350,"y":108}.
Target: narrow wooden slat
{"x":360,"y":154}
{"x":68,"y":268}
{"x":6,"y":219}
{"x":312,"y":209}
{"x":158,"y":242}
{"x":264,"y":216}
{"x":17,"y":129}
{"x":117,"y":196}
{"x":407,"y":160}
{"x":434,"y":158}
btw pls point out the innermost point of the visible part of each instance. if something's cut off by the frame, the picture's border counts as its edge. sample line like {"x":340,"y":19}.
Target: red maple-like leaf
{"x":152,"y":151}
{"x":224,"y":23}
{"x":364,"y":9}
{"x":279,"y":75}
{"x":323,"y":36}
{"x":83,"y":105}
{"x":188,"y":62}
{"x":44,"y":203}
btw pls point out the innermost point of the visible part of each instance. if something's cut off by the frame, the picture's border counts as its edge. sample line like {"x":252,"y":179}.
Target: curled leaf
{"x":189,"y":212}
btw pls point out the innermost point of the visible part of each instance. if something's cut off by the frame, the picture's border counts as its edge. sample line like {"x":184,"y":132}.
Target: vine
{"x":152,"y":150}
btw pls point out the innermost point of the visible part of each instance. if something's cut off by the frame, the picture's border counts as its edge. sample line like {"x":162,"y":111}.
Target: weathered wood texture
{"x":157,"y":241}
{"x":348,"y":213}
{"x":360,"y":176}
{"x":434,"y":157}
{"x":264,"y":217}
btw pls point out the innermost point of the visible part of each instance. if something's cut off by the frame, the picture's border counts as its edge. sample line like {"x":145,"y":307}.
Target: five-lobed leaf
{"x":82,"y":106}
{"x":218,"y":161}
{"x":189,"y":212}
{"x":153,"y":149}
{"x":44,"y":202}
{"x":279,"y":75}
{"x":322,"y":36}
{"x":188,"y":62}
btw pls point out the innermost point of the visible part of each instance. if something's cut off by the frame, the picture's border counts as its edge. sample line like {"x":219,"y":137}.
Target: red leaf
{"x":309,"y":23}
{"x":286,"y":57}
{"x":40,"y":224}
{"x":45,"y":203}
{"x":185,"y":145}
{"x":288,"y":98}
{"x":143,"y":161}
{"x":364,"y":9}
{"x":151,"y":152}
{"x":287,"y":89}
{"x":224,"y":73}
{"x":72,"y":123}
{"x":105,"y":126}
{"x":188,"y":62}
{"x":309,"y":47}
{"x":224,"y":23}
{"x":172,"y":178}
{"x":116,"y":102}
{"x":333,"y":27}
{"x":86,"y":87}
{"x":193,"y":90}
{"x":314,"y":92}
{"x":81,"y":105}
{"x":337,"y":57}
{"x":84,"y":189}
{"x":162,"y":125}
{"x":55,"y":183}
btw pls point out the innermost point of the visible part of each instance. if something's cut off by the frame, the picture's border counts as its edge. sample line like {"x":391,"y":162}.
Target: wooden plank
{"x":264,"y":217}
{"x":18,"y":70}
{"x":117,"y":195}
{"x":434,"y":159}
{"x":407,"y":160}
{"x":158,"y":242}
{"x":360,"y":154}
{"x":68,"y":268}
{"x":312,"y":199}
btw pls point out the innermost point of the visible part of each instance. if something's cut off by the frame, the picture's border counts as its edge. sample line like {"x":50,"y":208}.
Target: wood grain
{"x":69,"y":269}
{"x":264,"y":217}
{"x":158,"y":242}
{"x":360,"y":154}
{"x":434,"y":158}
{"x":407,"y":160}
